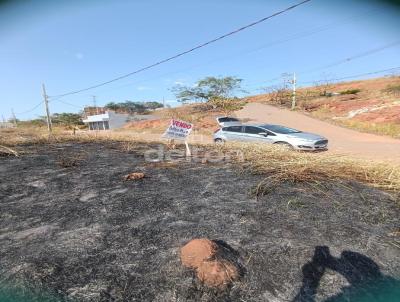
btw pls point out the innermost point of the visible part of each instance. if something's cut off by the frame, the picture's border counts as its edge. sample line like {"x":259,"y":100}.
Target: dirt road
{"x":341,"y":140}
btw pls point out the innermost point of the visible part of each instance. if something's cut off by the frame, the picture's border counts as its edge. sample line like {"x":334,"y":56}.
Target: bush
{"x":350,"y":91}
{"x":392,"y":89}
{"x":227,"y":105}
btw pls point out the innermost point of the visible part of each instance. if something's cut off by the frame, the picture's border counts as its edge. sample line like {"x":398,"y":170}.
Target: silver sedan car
{"x":272,"y":134}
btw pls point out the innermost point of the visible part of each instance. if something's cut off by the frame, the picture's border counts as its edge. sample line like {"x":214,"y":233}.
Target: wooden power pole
{"x":14,"y":118}
{"x":95,"y":104}
{"x":294,"y":91}
{"x":46,"y":104}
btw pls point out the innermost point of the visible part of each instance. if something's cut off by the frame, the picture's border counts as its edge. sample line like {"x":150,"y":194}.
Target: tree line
{"x":217,"y":92}
{"x":133,"y":107}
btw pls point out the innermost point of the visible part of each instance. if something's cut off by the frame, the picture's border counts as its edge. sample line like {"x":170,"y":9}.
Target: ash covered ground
{"x":71,"y":226}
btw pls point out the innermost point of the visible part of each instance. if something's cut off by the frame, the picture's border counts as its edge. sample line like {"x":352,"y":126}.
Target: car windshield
{"x":280,"y":129}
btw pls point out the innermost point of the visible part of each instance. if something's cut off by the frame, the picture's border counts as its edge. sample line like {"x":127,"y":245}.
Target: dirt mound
{"x":134,"y":176}
{"x":217,"y":273}
{"x":194,"y":253}
{"x":213,"y":265}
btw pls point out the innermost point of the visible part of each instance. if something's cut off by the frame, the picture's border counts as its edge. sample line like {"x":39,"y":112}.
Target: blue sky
{"x":69,"y":45}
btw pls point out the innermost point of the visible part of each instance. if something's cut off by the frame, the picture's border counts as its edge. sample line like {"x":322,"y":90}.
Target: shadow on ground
{"x":366,"y":282}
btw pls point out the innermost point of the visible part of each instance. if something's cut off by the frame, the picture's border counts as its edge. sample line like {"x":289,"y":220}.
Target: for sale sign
{"x":178,"y":130}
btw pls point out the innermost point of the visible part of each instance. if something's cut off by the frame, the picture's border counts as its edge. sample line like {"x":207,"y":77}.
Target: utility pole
{"x":13,"y":117}
{"x":94,"y":101}
{"x":163,"y":102}
{"x":95,"y":104}
{"x":294,"y":91}
{"x":46,"y":104}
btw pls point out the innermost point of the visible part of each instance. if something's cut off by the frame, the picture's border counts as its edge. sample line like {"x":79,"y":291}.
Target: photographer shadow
{"x":366,"y":282}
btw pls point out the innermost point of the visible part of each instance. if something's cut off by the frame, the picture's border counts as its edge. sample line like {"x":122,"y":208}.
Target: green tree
{"x":67,"y":119}
{"x":112,"y":106}
{"x":207,"y":89}
{"x":133,"y":107}
{"x":153,"y":105}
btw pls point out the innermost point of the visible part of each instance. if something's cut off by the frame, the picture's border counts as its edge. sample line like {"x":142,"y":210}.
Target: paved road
{"x":341,"y":140}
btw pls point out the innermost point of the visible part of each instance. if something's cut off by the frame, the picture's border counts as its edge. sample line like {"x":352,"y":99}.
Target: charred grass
{"x":83,"y":233}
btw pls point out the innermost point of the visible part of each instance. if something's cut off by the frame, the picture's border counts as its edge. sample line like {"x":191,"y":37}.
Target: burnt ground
{"x":72,"y":227}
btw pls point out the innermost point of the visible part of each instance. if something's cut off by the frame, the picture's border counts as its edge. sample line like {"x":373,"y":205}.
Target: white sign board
{"x":178,"y":130}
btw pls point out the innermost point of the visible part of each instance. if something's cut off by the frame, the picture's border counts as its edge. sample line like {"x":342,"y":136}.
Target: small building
{"x":7,"y":125}
{"x":107,"y":120}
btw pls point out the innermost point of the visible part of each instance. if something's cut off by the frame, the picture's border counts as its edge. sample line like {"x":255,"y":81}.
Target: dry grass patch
{"x":69,"y":160}
{"x":22,"y":136}
{"x":278,"y":164}
{"x":6,"y":151}
{"x":281,"y":165}
{"x":389,"y":129}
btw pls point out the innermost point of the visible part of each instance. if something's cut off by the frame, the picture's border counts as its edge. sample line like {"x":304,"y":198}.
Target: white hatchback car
{"x":272,"y":134}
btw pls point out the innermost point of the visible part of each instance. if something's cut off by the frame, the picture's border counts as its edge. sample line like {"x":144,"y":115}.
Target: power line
{"x":302,"y":82}
{"x":351,"y":76}
{"x":355,"y":76}
{"x":310,"y":32}
{"x":187,"y":51}
{"x":298,"y":35}
{"x":349,"y":59}
{"x":30,"y":110}
{"x":66,"y":103}
{"x":360,"y":55}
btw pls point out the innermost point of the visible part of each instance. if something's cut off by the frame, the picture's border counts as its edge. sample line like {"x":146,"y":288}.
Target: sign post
{"x":179,"y":130}
{"x":188,"y":153}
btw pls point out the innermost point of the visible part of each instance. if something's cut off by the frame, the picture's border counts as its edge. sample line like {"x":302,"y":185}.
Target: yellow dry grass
{"x":281,"y":165}
{"x":30,"y":135}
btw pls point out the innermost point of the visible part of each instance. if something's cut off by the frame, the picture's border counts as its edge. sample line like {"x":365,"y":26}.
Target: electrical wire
{"x":301,"y":82}
{"x":310,"y":32}
{"x":30,"y":110}
{"x":349,"y":59}
{"x":299,"y":35}
{"x":66,"y":103}
{"x":363,"y":54}
{"x":303,"y":34}
{"x":185,"y":52}
{"x":353,"y":76}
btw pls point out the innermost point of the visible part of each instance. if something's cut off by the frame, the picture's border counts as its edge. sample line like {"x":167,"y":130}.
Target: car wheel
{"x":219,"y":141}
{"x":285,"y":145}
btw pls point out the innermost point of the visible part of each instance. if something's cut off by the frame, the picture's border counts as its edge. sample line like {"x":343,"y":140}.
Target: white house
{"x":7,"y":125}
{"x":107,"y":120}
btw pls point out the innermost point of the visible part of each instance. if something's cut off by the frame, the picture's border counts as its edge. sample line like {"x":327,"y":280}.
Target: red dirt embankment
{"x":378,"y":97}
